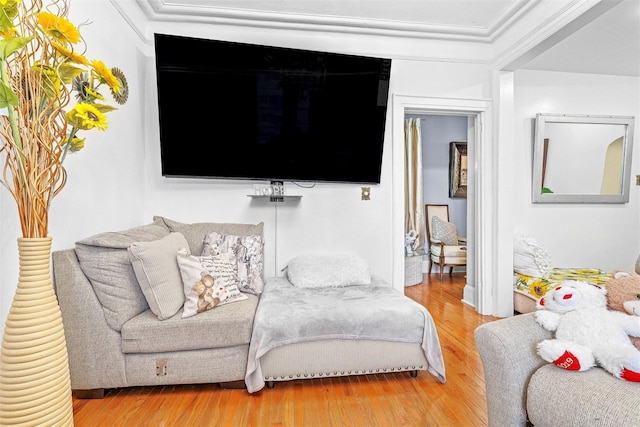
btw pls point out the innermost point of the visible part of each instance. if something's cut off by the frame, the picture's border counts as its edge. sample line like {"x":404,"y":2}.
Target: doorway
{"x":438,"y":131}
{"x":480,"y":269}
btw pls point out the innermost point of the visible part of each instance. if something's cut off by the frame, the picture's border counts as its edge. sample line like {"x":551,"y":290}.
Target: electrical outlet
{"x":366,"y":193}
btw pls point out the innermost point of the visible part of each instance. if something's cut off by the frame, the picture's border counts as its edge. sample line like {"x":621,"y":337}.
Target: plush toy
{"x":586,"y":333}
{"x":208,"y":296}
{"x":410,"y":242}
{"x":623,"y":294}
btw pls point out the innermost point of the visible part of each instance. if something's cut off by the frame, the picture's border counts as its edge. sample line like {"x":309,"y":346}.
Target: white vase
{"x":35,"y":387}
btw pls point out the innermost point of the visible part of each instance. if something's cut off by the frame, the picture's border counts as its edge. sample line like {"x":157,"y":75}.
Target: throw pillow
{"x":246,"y":252}
{"x":529,"y":258}
{"x":208,"y":281}
{"x":328,"y":270}
{"x":156,"y":269}
{"x":444,"y":231}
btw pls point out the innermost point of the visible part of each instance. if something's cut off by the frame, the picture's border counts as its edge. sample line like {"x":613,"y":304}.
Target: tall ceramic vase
{"x":35,"y":389}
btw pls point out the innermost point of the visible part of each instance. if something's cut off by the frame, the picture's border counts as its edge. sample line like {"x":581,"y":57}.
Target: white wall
{"x":603,"y":236}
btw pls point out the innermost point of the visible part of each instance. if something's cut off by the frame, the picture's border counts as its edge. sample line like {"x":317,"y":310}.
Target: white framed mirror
{"x":582,"y":159}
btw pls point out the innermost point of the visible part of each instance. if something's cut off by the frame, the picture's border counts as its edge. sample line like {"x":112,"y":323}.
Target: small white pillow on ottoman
{"x":329,"y":270}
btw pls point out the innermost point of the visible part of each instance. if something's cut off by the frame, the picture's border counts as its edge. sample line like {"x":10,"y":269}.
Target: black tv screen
{"x":241,"y":111}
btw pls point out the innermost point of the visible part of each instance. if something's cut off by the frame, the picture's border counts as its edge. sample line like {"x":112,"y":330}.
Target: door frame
{"x":480,"y":200}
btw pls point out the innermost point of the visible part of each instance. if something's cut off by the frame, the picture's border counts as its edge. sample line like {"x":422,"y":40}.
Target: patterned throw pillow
{"x":209,"y":281}
{"x":444,"y":231}
{"x":246,"y":252}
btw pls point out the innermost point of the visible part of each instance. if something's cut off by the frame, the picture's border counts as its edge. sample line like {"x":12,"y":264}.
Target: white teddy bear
{"x":586,"y":332}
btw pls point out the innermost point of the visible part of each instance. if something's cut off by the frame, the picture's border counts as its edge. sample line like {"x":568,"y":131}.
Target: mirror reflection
{"x":582,"y":159}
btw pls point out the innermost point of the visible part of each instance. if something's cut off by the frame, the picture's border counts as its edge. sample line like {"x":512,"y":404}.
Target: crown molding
{"x":191,"y":11}
{"x":558,"y":26}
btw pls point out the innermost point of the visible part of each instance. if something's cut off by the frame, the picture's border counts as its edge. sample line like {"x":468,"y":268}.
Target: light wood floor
{"x":393,"y":399}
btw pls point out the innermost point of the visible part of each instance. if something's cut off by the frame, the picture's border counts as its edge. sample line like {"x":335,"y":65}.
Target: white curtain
{"x":413,"y":205}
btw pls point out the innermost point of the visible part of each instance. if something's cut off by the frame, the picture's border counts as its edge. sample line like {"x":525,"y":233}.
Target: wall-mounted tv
{"x":242,"y":111}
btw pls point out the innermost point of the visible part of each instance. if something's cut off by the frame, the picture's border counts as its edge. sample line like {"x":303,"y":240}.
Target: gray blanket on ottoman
{"x":287,"y":315}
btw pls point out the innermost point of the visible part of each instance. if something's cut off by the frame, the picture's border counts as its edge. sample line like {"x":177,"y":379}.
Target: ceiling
{"x":604,"y":41}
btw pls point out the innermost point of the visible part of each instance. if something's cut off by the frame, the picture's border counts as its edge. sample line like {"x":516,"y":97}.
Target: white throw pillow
{"x":328,"y":270}
{"x":208,"y":281}
{"x":529,"y":258}
{"x":444,"y":231}
{"x":246,"y":252}
{"x":156,"y":269}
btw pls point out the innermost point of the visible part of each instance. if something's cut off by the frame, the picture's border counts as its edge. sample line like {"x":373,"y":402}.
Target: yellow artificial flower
{"x":73,"y":56}
{"x":122,"y":93}
{"x":9,"y":34}
{"x":538,"y":288}
{"x":105,"y":74}
{"x":58,"y":27}
{"x":86,"y":116}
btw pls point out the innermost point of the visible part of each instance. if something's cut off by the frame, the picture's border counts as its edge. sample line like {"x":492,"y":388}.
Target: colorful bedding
{"x":536,"y":287}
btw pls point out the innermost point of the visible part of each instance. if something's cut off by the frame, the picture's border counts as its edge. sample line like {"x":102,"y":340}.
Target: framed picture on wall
{"x":458,"y":170}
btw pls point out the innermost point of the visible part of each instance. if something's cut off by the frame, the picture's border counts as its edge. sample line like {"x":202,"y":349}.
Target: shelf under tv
{"x":273,"y":198}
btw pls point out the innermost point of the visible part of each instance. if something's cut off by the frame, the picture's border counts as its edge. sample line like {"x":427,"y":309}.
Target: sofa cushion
{"x":196,"y":232}
{"x":591,"y":398}
{"x":156,"y":267}
{"x":104,"y":259}
{"x":226,"y":326}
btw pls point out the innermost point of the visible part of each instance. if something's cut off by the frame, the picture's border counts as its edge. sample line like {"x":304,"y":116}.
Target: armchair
{"x":446,"y":248}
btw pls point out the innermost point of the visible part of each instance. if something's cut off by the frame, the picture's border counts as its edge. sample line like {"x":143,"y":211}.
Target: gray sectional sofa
{"x":522,"y":389}
{"x":115,"y":339}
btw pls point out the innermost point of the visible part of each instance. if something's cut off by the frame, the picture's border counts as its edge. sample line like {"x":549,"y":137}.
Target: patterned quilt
{"x":536,"y":287}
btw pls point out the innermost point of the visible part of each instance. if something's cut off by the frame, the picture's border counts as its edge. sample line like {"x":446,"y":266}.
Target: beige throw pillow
{"x":208,"y":281}
{"x":156,"y":269}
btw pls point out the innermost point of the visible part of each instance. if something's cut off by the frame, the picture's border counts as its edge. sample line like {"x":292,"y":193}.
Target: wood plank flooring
{"x":393,"y":399}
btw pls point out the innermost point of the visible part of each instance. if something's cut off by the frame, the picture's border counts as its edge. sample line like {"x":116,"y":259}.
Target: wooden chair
{"x":440,"y":253}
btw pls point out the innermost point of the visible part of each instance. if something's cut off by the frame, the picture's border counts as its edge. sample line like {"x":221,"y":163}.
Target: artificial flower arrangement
{"x":43,"y":63}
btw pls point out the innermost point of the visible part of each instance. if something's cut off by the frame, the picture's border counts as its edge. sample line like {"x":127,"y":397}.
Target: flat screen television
{"x":242,"y":111}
